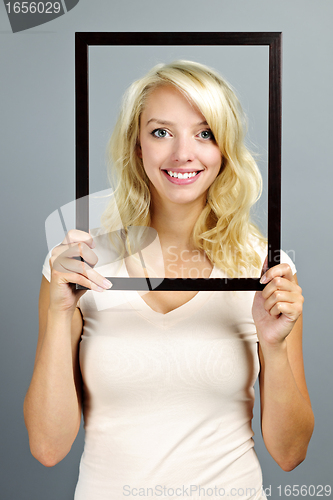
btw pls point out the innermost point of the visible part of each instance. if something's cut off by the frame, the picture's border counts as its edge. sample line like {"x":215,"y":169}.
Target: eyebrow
{"x":165,"y":122}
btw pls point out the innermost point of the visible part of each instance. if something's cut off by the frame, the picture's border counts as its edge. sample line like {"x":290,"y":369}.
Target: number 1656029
{"x":33,"y":7}
{"x":305,"y":490}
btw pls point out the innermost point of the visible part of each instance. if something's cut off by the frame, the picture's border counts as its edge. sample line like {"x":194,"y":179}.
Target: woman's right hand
{"x":67,"y":269}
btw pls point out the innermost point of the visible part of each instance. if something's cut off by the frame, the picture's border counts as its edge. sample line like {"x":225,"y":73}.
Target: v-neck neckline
{"x":166,"y":320}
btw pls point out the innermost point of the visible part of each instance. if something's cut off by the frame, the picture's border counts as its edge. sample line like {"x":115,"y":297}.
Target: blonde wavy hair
{"x":223,"y":230}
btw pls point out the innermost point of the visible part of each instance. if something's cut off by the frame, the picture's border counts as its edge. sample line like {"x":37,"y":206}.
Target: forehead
{"x":169,"y":101}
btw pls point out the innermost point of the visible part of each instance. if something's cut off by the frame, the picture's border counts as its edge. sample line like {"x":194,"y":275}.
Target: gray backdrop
{"x":113,"y":69}
{"x":37,"y":177}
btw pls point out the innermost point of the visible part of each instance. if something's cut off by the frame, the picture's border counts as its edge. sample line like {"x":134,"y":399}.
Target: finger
{"x":264,"y":266}
{"x":75,"y":250}
{"x":67,"y":263}
{"x":280,"y":283}
{"x":291,"y":310}
{"x":72,"y":271}
{"x":73,"y":278}
{"x":275,"y":271}
{"x":70,"y":266}
{"x":282,"y":296}
{"x":75,"y":235}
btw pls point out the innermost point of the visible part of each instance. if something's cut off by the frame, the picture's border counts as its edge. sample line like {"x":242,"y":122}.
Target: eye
{"x":160,"y":133}
{"x":207,"y":134}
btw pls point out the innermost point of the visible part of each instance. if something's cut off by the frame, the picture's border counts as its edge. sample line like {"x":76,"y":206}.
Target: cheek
{"x":149,"y":161}
{"x":210,"y":155}
{"x":151,"y":155}
{"x":215,"y":159}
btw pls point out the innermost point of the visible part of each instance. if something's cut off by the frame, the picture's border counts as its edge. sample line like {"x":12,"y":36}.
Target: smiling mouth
{"x":185,"y":175}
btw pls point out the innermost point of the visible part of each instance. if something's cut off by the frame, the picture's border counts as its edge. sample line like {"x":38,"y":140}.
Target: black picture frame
{"x":83,"y":40}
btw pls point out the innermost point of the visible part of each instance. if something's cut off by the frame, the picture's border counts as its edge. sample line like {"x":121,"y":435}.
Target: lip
{"x":175,"y":180}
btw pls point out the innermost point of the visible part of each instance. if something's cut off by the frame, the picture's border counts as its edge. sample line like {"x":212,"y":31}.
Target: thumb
{"x":263,"y":270}
{"x":264,"y":266}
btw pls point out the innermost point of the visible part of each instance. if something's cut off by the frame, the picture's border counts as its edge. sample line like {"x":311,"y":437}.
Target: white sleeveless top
{"x":168,"y":398}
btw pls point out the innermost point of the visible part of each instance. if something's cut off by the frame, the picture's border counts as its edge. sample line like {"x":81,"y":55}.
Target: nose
{"x":183,"y":150}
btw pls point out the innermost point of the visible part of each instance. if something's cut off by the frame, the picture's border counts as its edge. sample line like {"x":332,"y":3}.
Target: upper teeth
{"x":186,"y":175}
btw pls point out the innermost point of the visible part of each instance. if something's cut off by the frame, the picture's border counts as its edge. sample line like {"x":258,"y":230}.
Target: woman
{"x":167,"y":377}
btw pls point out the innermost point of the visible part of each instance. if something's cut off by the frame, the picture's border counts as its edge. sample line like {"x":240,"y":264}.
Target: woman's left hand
{"x":276,"y":309}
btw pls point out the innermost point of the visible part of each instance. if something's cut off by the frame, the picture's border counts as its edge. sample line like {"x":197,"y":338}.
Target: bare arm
{"x":286,"y":416}
{"x":52,"y":406}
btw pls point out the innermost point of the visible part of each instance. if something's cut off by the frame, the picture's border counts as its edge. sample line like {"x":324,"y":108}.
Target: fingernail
{"x":263,"y":279}
{"x":107,"y":283}
{"x":93,"y":245}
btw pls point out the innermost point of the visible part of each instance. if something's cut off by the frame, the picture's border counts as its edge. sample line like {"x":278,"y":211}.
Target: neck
{"x":174,"y":222}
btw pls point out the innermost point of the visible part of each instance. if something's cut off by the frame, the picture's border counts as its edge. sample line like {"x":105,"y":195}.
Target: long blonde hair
{"x":223,"y":230}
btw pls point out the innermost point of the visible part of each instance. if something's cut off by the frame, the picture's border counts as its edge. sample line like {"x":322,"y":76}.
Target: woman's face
{"x":178,"y":150}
